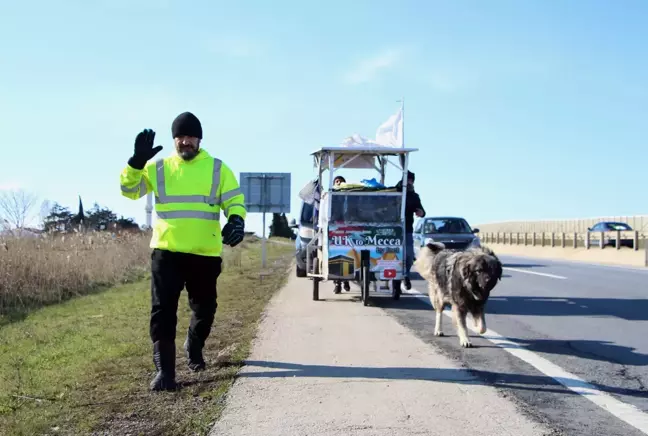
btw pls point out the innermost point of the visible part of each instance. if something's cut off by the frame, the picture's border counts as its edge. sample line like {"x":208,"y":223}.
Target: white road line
{"x":625,"y":412}
{"x":553,"y":276}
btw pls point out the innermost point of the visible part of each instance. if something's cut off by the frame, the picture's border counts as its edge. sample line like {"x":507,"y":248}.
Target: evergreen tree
{"x":60,"y":219}
{"x":279,"y":227}
{"x":100,"y":218}
{"x":127,"y":223}
{"x":79,"y":219}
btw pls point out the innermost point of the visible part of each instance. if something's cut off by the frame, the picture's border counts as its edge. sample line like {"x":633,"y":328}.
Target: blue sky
{"x":520,"y":109}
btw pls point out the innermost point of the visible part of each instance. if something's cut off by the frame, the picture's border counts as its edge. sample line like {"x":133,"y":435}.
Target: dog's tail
{"x":424,"y":261}
{"x":434,"y":247}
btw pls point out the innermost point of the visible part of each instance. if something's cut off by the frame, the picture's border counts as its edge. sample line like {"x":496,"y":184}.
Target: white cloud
{"x":367,"y":69}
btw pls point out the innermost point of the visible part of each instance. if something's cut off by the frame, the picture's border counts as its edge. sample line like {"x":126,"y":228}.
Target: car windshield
{"x":619,"y":226}
{"x":446,"y":225}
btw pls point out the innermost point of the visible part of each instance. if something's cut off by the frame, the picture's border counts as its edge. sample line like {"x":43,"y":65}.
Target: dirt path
{"x":338,"y":368}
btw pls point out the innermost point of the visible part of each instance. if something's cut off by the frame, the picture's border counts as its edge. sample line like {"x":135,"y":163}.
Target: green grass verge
{"x":84,"y":366}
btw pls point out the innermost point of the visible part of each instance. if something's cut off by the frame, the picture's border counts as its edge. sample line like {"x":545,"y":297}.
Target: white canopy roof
{"x":357,"y":156}
{"x":368,"y":149}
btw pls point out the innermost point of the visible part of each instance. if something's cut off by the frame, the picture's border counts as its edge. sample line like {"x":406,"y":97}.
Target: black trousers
{"x":171,"y":273}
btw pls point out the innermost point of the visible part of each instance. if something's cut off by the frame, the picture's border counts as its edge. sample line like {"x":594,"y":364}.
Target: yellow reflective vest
{"x":189,"y":196}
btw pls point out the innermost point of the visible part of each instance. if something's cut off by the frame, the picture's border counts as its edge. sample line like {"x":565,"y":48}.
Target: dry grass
{"x":37,"y":272}
{"x":82,"y":367}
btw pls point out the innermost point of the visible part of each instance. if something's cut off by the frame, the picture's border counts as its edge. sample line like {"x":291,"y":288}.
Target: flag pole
{"x":402,"y":102}
{"x":403,"y":121}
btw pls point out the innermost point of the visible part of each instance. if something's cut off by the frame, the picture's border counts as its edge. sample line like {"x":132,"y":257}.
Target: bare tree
{"x":16,"y":208}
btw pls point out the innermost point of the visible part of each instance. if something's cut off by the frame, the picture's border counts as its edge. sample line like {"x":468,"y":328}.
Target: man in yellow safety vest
{"x":191,"y":188}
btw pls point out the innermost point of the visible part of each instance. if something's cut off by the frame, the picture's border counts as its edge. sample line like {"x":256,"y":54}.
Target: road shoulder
{"x":336,"y":367}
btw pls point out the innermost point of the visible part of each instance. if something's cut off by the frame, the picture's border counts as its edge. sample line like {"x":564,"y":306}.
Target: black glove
{"x":233,"y":231}
{"x":144,"y":149}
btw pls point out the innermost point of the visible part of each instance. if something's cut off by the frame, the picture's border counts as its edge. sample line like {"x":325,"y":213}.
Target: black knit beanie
{"x":186,"y":124}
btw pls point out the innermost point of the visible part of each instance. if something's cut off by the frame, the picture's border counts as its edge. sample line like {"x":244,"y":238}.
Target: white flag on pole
{"x":390,"y":133}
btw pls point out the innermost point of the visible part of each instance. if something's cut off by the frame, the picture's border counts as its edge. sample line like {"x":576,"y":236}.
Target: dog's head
{"x":480,"y":270}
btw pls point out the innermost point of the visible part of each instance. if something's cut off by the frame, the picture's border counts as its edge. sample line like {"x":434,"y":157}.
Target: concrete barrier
{"x":592,"y":247}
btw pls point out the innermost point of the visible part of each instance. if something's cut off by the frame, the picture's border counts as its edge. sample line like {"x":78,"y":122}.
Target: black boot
{"x":193,"y":351}
{"x":338,"y":288}
{"x":164,"y":360}
{"x":346,"y":286}
{"x":408,"y":284}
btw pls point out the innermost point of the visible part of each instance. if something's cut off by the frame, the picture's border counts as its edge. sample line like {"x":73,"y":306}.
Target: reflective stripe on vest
{"x":214,"y":216}
{"x":141,"y":187}
{"x":163,"y":198}
{"x":229,"y":194}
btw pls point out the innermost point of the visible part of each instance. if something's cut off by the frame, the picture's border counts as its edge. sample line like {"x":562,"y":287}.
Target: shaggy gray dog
{"x":463,"y":279}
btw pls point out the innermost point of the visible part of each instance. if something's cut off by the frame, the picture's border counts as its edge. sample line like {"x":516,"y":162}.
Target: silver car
{"x":305,"y":233}
{"x":454,"y":232}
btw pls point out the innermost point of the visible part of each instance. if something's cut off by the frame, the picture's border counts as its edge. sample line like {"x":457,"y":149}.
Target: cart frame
{"x":333,"y":158}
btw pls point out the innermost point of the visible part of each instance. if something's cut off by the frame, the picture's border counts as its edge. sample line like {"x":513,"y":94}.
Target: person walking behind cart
{"x":191,"y":188}
{"x":413,"y":207}
{"x":339,"y":283}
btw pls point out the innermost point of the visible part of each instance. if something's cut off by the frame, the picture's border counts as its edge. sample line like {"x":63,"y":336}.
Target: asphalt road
{"x":589,"y":320}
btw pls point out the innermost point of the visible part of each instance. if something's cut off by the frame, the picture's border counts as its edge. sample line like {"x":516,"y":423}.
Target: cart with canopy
{"x":359,"y":227}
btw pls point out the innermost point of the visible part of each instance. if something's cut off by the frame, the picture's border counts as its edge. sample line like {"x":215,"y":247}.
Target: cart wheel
{"x":396,"y":289}
{"x":365,"y":285}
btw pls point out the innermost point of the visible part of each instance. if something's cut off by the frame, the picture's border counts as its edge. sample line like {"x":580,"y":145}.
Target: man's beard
{"x":188,"y":153}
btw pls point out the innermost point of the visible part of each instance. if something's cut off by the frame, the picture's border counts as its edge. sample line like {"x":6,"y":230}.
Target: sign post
{"x":266,"y":193}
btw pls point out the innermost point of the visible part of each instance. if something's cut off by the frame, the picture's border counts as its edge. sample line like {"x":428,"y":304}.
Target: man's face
{"x":187,"y":146}
{"x":410,"y":183}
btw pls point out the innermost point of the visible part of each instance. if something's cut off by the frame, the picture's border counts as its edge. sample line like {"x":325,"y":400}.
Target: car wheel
{"x":300,"y":272}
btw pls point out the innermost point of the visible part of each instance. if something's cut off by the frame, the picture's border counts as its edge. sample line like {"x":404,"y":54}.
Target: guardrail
{"x":580,"y":225}
{"x":630,"y":240}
